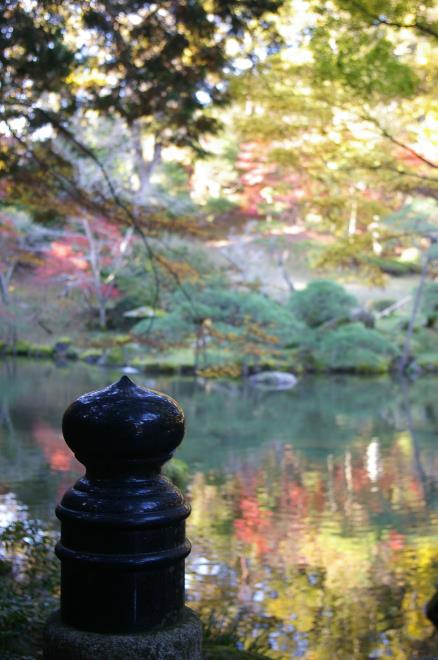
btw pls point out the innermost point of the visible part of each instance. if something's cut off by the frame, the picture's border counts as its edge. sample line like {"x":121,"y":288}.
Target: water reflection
{"x":315,"y":521}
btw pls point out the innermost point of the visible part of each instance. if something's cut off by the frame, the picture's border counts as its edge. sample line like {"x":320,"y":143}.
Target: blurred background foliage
{"x":162,"y":166}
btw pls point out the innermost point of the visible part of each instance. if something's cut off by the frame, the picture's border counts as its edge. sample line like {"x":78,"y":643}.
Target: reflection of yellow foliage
{"x":404,"y":441}
{"x":297,"y":600}
{"x":221,"y":371}
{"x":347,"y":594}
{"x":419,"y":562}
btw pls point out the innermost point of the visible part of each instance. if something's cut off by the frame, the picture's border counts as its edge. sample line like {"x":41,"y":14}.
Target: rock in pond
{"x":273,"y":380}
{"x":130,"y":370}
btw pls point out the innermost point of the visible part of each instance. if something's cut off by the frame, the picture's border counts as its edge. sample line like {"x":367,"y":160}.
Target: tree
{"x":16,"y":249}
{"x":158,"y":68}
{"x":317,"y":112}
{"x":10,"y":247}
{"x":417,"y":223}
{"x":89,"y":260}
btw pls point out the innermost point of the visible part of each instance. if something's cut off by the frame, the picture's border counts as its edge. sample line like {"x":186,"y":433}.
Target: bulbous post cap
{"x":123,"y":422}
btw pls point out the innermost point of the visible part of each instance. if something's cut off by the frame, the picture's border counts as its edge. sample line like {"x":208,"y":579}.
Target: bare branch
{"x":398,"y":142}
{"x":382,"y":20}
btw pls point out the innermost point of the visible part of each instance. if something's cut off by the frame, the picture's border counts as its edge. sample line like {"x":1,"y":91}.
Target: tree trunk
{"x":93,"y":253}
{"x":12,"y":337}
{"x":144,"y":168}
{"x":5,"y":279}
{"x":418,"y":466}
{"x":406,"y":354}
{"x":102,"y":313}
{"x":10,"y":326}
{"x":282,"y":263}
{"x":352,"y":223}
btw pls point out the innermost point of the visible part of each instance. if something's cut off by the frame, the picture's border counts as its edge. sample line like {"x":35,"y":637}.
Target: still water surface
{"x":315,"y":511}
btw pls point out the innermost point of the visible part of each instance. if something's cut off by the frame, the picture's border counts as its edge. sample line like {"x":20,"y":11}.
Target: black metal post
{"x":123,"y":542}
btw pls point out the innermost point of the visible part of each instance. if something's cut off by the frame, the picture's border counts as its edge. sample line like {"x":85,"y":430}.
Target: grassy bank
{"x":213,"y":330}
{"x":351,"y":348}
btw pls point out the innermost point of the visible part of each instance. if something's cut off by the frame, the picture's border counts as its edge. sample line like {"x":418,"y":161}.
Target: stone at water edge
{"x":130,"y":370}
{"x":274,"y":380}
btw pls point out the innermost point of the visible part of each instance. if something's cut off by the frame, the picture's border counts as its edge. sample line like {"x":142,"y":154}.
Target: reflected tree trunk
{"x":418,"y":466}
{"x":94,"y":257}
{"x":282,"y":262}
{"x":5,"y":280}
{"x":6,"y":418}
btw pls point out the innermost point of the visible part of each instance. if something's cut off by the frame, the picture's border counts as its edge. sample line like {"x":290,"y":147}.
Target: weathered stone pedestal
{"x":123,"y":542}
{"x":180,"y":641}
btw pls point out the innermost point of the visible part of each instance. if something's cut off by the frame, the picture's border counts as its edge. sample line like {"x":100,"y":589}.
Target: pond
{"x":315,"y":510}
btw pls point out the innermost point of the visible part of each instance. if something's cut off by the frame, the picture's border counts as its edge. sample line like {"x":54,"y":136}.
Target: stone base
{"x":180,"y":641}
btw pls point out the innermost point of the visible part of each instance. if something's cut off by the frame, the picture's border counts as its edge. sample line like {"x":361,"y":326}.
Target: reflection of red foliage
{"x":253,"y":525}
{"x":59,"y":457}
{"x":396,"y":540}
{"x":272,"y":508}
{"x":361,"y":479}
{"x":298,"y":497}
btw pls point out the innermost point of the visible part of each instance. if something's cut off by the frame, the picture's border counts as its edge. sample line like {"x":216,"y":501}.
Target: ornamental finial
{"x":122,"y":423}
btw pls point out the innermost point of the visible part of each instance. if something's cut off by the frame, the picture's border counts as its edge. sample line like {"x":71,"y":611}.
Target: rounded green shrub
{"x":429,"y":306}
{"x":355,"y":348}
{"x":91,"y":355}
{"x":395,"y":267}
{"x":428,"y":361}
{"x":230,"y":311}
{"x":41,"y":351}
{"x":115,"y":356}
{"x":21,"y":347}
{"x":322,"y":301}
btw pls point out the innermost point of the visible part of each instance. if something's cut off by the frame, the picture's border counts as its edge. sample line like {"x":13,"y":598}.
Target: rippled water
{"x":315,"y":511}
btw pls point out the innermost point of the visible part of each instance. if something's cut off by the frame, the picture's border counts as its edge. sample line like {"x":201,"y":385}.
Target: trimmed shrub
{"x":115,"y":356}
{"x":355,"y":348}
{"x":427,"y":361}
{"x":21,"y":347}
{"x":229,"y":311}
{"x":41,"y":351}
{"x":91,"y":355}
{"x":429,"y":306}
{"x":395,"y":267}
{"x":424,"y":340}
{"x":322,"y":301}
